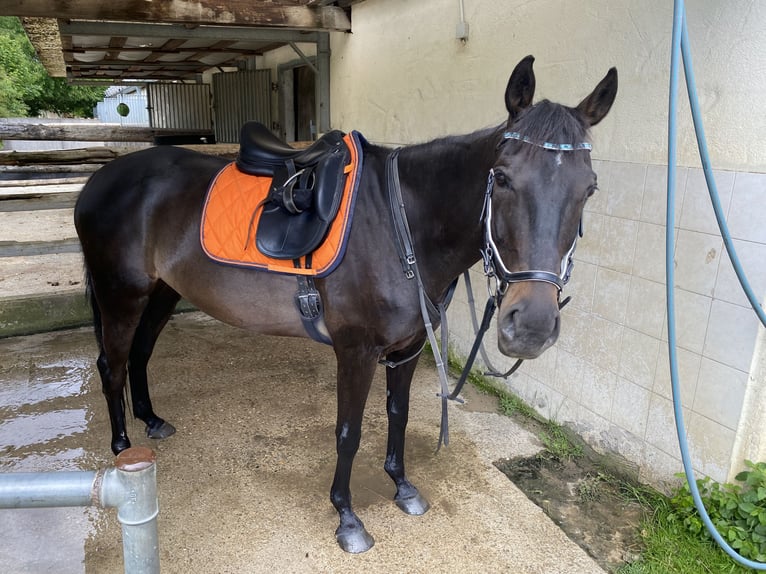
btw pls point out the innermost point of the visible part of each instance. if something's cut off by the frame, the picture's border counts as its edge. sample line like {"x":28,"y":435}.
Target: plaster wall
{"x":402,"y":77}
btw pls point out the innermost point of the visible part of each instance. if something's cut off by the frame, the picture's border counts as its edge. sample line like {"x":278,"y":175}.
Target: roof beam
{"x":232,"y":13}
{"x":182,"y":32}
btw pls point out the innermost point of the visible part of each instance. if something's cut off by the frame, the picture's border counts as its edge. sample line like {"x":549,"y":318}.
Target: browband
{"x":547,"y":145}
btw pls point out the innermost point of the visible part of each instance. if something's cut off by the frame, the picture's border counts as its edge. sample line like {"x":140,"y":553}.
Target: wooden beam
{"x":165,"y":31}
{"x":232,"y":13}
{"x":10,"y":130}
{"x":43,"y":33}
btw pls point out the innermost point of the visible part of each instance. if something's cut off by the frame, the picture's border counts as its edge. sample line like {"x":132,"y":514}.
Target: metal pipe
{"x":130,"y":487}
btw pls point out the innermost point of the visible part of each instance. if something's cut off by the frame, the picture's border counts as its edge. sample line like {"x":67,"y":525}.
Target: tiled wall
{"x":608,"y":375}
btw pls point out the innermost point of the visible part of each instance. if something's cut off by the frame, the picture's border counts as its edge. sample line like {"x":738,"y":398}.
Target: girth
{"x":306,"y":188}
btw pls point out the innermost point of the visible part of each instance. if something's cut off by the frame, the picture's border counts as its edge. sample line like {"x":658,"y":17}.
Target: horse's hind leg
{"x":398,"y":382}
{"x":162,"y":301}
{"x":119,"y":315}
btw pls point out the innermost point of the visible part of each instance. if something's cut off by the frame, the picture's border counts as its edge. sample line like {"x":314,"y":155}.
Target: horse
{"x":512,"y":194}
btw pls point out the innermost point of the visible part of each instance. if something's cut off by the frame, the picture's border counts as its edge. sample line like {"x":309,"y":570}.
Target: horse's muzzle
{"x":528,"y":320}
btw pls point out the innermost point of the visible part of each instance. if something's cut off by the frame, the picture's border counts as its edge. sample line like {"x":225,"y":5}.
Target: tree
{"x":26,"y":89}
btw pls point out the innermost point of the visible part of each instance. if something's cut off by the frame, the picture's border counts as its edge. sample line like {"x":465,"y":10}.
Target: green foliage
{"x":738,"y":512}
{"x":26,"y":89}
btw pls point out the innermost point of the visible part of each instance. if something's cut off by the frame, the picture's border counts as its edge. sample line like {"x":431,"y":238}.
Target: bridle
{"x":494,"y":268}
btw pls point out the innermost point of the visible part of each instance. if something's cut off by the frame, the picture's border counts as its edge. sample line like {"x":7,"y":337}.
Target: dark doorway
{"x":298,"y":103}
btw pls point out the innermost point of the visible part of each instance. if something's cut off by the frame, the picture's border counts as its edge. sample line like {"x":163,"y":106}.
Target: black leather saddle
{"x":306,"y":188}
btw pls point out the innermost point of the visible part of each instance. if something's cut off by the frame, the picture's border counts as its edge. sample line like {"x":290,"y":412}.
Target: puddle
{"x":47,"y":394}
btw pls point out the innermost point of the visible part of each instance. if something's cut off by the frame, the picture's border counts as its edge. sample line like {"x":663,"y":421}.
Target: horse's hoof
{"x":120,"y":445}
{"x":415,"y":505}
{"x":163,"y":430}
{"x":354,"y":540}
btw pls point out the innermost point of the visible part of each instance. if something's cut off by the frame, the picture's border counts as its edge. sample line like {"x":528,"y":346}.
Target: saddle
{"x":306,"y":188}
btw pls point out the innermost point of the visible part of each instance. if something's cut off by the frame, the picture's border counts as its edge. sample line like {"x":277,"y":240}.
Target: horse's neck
{"x":443,"y":184}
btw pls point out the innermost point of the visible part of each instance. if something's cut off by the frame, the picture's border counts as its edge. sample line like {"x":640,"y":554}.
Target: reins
{"x":494,"y":268}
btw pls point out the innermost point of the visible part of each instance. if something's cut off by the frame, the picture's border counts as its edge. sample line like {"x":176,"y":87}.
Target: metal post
{"x":323,"y":66}
{"x":130,"y":487}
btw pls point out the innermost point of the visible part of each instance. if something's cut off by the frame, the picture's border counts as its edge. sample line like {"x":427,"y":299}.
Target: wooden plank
{"x":41,"y":189}
{"x":82,"y":155}
{"x":281,"y":14}
{"x":80,"y":168}
{"x":53,"y":181}
{"x":18,"y":248}
{"x":10,"y":130}
{"x":39,"y":201}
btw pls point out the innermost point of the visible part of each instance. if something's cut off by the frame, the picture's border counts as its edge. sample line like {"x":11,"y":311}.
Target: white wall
{"x":402,"y":77}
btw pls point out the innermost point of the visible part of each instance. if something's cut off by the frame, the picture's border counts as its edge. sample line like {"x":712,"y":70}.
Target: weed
{"x":558,"y":444}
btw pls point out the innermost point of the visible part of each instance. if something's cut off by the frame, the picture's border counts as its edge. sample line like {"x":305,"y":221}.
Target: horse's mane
{"x":547,"y":121}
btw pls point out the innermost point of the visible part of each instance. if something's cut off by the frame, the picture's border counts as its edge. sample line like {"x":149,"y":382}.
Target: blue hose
{"x":680,"y":46}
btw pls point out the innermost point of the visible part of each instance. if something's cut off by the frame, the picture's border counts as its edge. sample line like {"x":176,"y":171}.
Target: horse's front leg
{"x":355,"y":371}
{"x":398,"y":382}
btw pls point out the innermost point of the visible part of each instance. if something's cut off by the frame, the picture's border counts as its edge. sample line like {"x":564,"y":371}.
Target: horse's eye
{"x":501,"y":179}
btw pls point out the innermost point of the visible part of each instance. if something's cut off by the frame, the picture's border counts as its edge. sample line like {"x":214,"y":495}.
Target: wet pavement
{"x":244,"y":484}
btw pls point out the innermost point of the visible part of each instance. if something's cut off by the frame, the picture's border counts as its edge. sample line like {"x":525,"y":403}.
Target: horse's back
{"x":146,"y":172}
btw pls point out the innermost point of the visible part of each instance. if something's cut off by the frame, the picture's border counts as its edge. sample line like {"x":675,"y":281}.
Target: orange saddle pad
{"x":232,"y":209}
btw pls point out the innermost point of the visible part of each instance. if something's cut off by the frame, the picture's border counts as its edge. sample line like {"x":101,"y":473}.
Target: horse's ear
{"x":521,"y":87}
{"x":595,"y":107}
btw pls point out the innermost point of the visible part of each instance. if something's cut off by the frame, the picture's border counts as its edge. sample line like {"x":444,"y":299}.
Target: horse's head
{"x":536,"y":193}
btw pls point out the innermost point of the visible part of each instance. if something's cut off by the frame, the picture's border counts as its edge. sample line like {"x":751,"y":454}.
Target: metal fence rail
{"x":130,"y":487}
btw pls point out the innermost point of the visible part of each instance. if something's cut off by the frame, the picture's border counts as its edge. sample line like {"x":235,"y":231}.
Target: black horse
{"x":514,"y":193}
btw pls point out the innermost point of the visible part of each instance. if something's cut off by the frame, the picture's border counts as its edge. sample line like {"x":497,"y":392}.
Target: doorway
{"x":297,"y":102}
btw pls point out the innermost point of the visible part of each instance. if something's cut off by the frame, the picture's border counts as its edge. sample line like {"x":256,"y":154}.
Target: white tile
{"x":649,"y":259}
{"x":543,"y":368}
{"x":654,"y":207}
{"x":597,"y":202}
{"x":748,"y":208}
{"x":597,"y":390}
{"x":638,"y":358}
{"x":661,"y":430}
{"x":610,"y":296}
{"x":589,"y":245}
{"x":618,"y":244}
{"x":600,"y":342}
{"x":692,"y":314}
{"x":751,"y":257}
{"x":569,"y":375}
{"x":630,"y":407}
{"x":544,"y":399}
{"x":626,"y":190}
{"x":646,"y":307}
{"x":731,"y":335}
{"x":697,"y":213}
{"x":659,"y":469}
{"x":581,"y":286}
{"x":688,"y":373}
{"x":710,"y":445}
{"x":697,"y":256}
{"x":720,"y":393}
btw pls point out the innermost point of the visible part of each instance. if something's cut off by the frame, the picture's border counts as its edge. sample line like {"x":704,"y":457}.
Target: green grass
{"x":671,"y":550}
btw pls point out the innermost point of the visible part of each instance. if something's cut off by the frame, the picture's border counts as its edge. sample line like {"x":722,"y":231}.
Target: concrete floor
{"x":244,"y":484}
